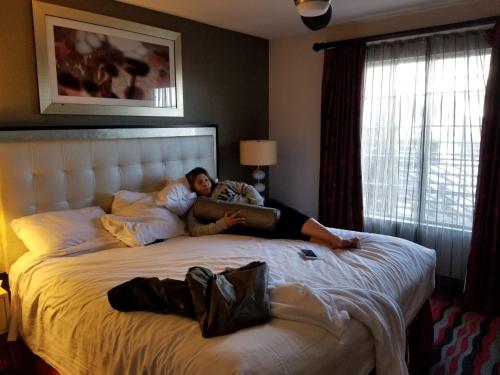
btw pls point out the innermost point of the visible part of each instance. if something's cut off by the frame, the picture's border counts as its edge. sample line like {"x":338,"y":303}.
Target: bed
{"x":345,"y":313}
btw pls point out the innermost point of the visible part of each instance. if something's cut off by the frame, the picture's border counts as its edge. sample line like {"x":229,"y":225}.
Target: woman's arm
{"x":195,"y":228}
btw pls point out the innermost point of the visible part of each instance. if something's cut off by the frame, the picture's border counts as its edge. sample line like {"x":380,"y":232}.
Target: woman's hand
{"x":233,"y":218}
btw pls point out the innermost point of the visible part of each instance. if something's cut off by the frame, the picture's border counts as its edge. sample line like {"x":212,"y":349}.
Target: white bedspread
{"x":64,"y":316}
{"x":331,"y":308}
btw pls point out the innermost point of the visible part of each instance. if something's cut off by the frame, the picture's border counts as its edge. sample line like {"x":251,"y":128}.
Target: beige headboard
{"x":49,"y":170}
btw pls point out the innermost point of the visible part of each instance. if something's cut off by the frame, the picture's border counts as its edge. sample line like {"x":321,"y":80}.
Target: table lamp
{"x":258,"y":153}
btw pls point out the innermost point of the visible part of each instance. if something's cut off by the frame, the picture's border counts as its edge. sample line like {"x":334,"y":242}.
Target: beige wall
{"x":295,"y":73}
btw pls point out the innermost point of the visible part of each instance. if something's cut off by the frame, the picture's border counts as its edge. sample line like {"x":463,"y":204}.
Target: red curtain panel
{"x":483,"y":269}
{"x":340,"y":195}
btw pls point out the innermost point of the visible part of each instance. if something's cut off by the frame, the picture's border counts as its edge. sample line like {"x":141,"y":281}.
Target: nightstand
{"x":4,"y":310}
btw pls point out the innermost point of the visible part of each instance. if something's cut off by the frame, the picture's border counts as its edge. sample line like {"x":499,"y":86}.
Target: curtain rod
{"x":433,"y":29}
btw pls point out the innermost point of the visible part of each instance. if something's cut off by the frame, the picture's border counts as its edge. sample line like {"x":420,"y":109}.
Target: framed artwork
{"x":97,"y":65}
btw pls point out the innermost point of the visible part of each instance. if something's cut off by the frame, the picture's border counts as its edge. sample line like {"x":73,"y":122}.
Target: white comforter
{"x":64,"y":316}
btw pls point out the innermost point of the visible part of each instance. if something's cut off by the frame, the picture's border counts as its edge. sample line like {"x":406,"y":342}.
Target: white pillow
{"x":137,"y":221}
{"x":64,"y":232}
{"x":124,"y":198}
{"x":177,"y":196}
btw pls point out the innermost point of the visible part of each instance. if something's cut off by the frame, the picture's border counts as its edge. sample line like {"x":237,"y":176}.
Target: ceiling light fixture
{"x":312,"y":8}
{"x":315,"y":14}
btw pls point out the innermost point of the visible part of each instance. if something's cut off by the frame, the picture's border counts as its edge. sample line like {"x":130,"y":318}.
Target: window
{"x":422,"y":116}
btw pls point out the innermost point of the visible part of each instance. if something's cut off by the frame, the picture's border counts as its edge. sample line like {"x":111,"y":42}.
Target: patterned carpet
{"x":465,"y":342}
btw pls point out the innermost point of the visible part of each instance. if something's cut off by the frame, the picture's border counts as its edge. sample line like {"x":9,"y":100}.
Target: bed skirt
{"x":419,"y":340}
{"x":418,"y":347}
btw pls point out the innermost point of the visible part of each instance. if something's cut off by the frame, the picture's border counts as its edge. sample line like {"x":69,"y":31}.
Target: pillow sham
{"x":177,"y":196}
{"x":257,"y":217}
{"x":137,"y":221}
{"x":64,"y":232}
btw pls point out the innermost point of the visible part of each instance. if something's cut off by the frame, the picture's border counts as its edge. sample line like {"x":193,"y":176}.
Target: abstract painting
{"x":106,"y":66}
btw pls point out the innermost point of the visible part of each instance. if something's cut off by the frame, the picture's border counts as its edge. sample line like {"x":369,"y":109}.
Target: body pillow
{"x":257,"y":217}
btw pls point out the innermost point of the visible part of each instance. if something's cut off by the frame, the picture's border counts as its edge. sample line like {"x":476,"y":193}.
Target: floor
{"x":465,"y":342}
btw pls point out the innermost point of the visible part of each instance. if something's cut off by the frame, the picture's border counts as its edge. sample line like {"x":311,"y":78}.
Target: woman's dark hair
{"x":191,"y":176}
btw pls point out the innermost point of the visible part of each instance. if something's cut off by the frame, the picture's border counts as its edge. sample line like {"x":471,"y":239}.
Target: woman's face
{"x":202,"y":185}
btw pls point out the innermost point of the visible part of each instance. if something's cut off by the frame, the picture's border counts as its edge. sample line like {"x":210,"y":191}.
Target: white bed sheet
{"x":64,"y":315}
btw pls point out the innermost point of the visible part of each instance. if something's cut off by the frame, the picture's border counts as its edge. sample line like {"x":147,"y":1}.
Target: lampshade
{"x":312,"y":8}
{"x":258,"y":152}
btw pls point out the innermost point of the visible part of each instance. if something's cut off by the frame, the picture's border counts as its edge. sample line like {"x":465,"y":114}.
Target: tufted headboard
{"x":49,"y":170}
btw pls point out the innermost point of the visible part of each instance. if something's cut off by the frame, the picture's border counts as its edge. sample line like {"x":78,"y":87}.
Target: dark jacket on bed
{"x":222,"y":303}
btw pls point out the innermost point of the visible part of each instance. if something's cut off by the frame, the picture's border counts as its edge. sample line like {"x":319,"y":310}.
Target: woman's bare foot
{"x":352,"y":243}
{"x":338,"y":243}
{"x":321,"y":234}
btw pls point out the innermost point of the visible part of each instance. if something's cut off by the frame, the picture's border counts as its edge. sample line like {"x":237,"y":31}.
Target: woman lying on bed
{"x":292,"y":223}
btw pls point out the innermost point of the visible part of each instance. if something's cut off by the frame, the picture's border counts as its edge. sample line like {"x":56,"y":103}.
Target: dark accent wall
{"x":225,"y":78}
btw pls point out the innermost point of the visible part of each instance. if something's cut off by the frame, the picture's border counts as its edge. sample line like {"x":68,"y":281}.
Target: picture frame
{"x":91,"y":64}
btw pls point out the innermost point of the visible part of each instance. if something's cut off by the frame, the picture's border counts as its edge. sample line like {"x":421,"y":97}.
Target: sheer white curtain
{"x":422,"y":115}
